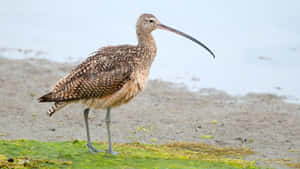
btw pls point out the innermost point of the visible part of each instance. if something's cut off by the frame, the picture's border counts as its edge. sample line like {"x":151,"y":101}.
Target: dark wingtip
{"x":46,"y":98}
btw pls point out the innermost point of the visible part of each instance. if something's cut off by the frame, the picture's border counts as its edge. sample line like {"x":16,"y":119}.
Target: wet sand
{"x":162,"y":113}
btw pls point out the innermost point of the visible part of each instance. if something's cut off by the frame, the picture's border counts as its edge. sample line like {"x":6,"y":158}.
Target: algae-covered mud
{"x":163,"y":113}
{"x":73,"y":154}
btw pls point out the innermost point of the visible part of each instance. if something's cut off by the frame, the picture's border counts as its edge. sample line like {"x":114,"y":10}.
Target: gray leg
{"x":107,"y":121}
{"x":89,"y":144}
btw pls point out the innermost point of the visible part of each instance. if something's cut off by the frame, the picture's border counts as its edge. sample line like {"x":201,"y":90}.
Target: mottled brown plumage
{"x":112,"y":75}
{"x":103,"y":74}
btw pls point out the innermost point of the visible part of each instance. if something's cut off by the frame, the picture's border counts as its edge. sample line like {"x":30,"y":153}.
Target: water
{"x":257,"y":43}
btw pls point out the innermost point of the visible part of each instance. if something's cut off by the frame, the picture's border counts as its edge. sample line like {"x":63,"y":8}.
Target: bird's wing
{"x":99,"y":75}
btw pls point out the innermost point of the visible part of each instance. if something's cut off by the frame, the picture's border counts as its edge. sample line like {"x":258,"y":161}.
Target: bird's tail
{"x":55,"y":107}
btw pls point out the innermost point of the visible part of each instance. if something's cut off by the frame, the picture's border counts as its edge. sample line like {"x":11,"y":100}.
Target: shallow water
{"x":257,"y":44}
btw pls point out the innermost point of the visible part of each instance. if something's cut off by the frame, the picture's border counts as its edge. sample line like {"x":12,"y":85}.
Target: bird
{"x":111,"y":76}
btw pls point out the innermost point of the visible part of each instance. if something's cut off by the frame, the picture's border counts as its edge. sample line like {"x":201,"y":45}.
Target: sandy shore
{"x":162,"y":113}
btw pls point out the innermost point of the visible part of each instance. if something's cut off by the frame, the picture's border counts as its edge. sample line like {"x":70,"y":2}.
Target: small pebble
{"x":52,"y":129}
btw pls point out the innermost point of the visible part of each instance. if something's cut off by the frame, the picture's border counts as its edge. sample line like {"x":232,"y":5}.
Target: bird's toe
{"x":93,"y":149}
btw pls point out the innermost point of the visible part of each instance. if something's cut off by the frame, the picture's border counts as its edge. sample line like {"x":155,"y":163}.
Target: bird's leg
{"x":89,"y":144}
{"x":107,"y":121}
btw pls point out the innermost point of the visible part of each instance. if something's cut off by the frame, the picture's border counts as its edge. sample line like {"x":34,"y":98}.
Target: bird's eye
{"x":151,"y":20}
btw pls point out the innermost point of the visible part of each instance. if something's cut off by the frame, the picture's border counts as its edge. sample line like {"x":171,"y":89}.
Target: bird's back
{"x":101,"y":75}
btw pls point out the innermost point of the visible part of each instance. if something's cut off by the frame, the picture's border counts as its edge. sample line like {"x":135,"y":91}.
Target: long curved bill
{"x":161,"y":26}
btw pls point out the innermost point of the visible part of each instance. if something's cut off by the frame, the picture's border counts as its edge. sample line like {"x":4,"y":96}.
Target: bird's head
{"x":148,"y":23}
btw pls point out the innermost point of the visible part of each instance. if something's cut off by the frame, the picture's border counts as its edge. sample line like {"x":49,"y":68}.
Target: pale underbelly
{"x":130,"y":90}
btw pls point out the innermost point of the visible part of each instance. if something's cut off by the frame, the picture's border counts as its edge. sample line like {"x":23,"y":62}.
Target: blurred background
{"x":257,"y":43}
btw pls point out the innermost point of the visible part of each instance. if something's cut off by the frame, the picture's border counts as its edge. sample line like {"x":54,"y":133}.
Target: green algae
{"x":283,"y":161}
{"x":74,"y":154}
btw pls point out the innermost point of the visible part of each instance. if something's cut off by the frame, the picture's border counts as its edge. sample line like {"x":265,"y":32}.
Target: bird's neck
{"x":147,"y":43}
{"x":146,"y":40}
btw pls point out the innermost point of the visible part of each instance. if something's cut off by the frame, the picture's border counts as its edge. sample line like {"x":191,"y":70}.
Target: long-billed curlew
{"x":112,"y":76}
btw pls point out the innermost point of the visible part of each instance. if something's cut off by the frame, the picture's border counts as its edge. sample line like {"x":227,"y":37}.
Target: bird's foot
{"x":111,"y":152}
{"x":92,"y":149}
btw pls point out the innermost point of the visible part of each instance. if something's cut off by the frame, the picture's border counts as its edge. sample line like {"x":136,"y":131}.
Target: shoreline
{"x":192,"y":83}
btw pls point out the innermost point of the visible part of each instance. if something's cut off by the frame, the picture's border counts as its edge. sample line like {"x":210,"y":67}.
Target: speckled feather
{"x":102,"y":74}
